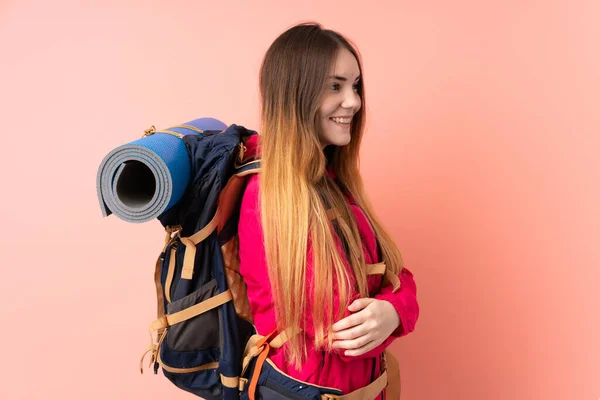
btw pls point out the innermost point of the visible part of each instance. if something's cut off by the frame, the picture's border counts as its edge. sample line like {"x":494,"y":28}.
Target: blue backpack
{"x":203,"y":318}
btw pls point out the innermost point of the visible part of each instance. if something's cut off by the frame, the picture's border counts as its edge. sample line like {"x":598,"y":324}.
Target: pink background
{"x":481,"y":156}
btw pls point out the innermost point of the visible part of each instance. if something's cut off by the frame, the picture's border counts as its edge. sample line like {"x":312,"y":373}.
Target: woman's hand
{"x":372,"y":322}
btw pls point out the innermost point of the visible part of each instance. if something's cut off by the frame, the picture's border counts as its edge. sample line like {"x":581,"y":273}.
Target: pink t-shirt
{"x":330,"y":369}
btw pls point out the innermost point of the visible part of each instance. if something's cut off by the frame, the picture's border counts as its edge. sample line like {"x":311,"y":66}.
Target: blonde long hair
{"x":295,"y":191}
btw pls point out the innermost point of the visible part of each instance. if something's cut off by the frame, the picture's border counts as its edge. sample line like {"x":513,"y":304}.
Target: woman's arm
{"x":366,"y":333}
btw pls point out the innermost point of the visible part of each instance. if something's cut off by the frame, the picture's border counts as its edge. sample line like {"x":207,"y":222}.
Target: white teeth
{"x":342,"y":120}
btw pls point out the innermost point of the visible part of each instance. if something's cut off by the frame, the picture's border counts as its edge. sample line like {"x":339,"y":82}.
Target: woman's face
{"x":340,"y":101}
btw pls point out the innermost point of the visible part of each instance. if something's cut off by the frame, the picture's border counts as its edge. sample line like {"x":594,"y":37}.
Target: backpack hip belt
{"x":259,"y":346}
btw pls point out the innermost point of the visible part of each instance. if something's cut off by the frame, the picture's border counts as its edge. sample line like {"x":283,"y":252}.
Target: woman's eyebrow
{"x":341,"y":78}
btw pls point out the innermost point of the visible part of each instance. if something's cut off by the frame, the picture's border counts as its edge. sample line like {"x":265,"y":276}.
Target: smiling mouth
{"x":342,"y":122}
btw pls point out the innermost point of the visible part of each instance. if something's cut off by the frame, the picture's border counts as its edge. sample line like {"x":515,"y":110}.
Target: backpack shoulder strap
{"x":251,"y":167}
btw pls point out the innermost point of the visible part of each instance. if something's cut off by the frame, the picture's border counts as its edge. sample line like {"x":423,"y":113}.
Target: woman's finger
{"x":352,"y":343}
{"x":361,"y":350}
{"x":352,"y":333}
{"x":349,"y":321}
{"x":359,"y":304}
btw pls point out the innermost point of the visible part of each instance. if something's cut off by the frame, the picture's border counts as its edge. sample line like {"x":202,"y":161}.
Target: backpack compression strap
{"x":190,"y":243}
{"x":172,"y":234}
{"x":388,"y":275}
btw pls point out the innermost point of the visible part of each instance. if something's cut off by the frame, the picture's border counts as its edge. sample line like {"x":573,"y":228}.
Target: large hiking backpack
{"x":203,"y":337}
{"x":203,"y":316}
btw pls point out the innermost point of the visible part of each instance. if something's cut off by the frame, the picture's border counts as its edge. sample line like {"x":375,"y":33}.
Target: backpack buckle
{"x":149,"y":131}
{"x":171,"y":229}
{"x":172,"y":232}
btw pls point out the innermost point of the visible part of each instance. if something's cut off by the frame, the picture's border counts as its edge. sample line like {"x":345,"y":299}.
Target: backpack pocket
{"x":200,"y":332}
{"x":190,"y":351}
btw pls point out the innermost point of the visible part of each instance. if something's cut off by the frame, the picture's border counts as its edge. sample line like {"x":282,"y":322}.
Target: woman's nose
{"x":351,"y":100}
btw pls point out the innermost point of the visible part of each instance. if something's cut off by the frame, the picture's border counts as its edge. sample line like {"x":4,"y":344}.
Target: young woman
{"x":311,"y":248}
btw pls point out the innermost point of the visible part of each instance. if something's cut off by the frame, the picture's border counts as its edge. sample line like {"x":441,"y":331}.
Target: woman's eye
{"x":336,"y":86}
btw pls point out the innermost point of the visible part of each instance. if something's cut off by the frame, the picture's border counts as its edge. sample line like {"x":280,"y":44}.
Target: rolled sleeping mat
{"x":142,"y":179}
